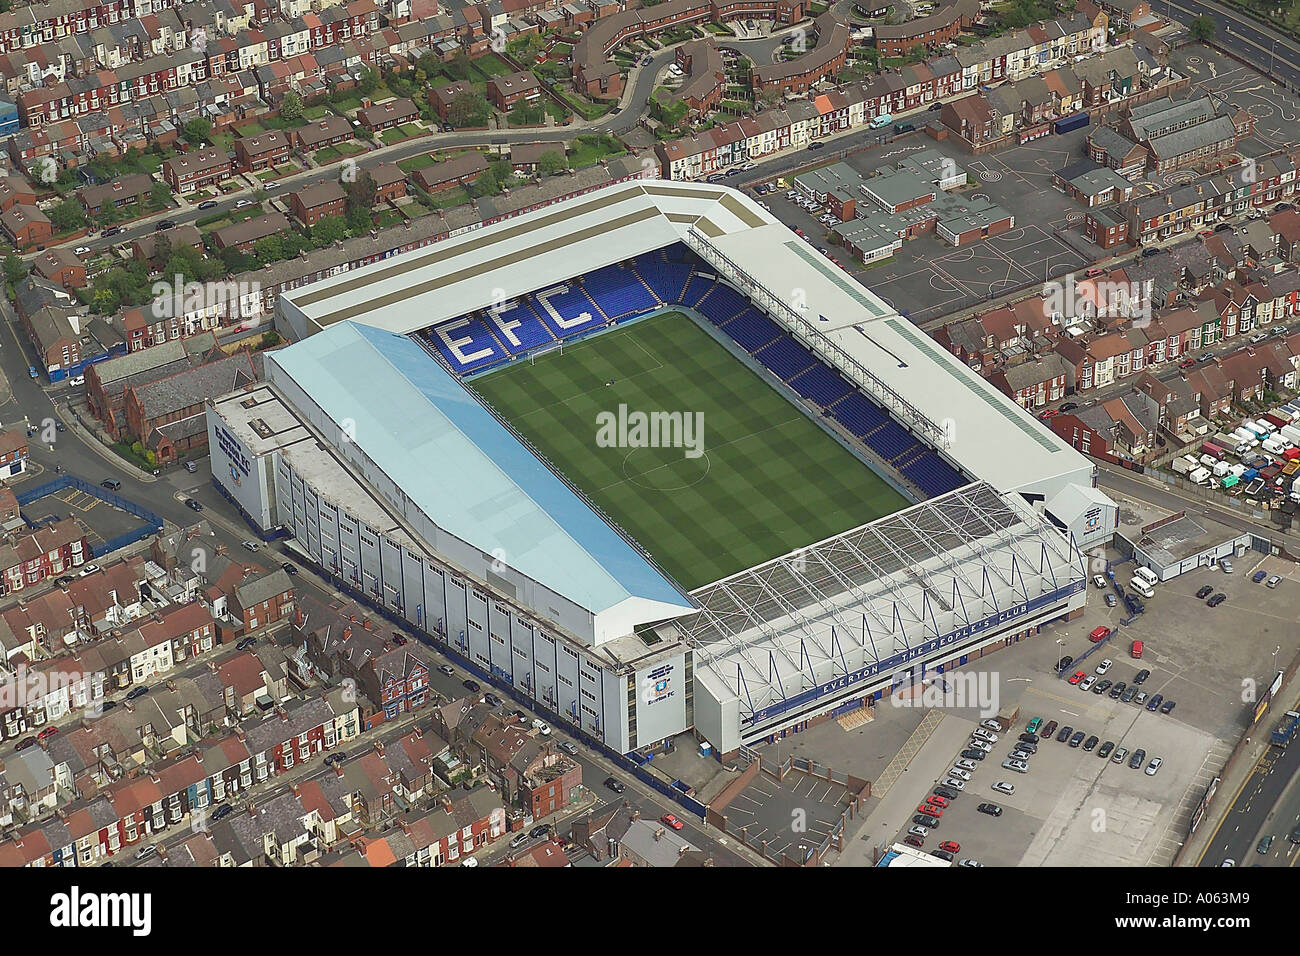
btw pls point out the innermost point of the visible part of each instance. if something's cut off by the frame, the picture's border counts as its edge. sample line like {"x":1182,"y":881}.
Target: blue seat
{"x":785,"y":357}
{"x":517,"y":327}
{"x":695,"y":289}
{"x":858,"y":414}
{"x":752,"y":330}
{"x":821,"y":385}
{"x":722,"y":303}
{"x":933,"y":475}
{"x":667,"y":280}
{"x":467,"y":344}
{"x":889,"y":440}
{"x":618,"y":292}
{"x":577,"y":313}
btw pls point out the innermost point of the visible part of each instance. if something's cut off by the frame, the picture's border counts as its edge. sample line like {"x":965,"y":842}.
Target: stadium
{"x":646,"y":459}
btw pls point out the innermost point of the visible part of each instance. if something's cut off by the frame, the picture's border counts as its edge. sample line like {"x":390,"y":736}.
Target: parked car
{"x":614,"y":785}
{"x":568,"y":748}
{"x":1140,"y":698}
{"x":1087,"y":682}
{"x":246,"y":643}
{"x":1077,"y":676}
{"x":918,"y":834}
{"x":992,"y":809}
{"x":1128,"y":695}
{"x":162,"y":224}
{"x":519,"y":841}
{"x":1099,"y":634}
{"x":966,"y":763}
{"x":913,"y":840}
{"x":937,"y":800}
{"x":146,"y":851}
{"x":1137,"y":759}
{"x":957,"y":773}
{"x":1077,"y":738}
{"x":111,"y":231}
{"x":447,"y":669}
{"x":954,"y":783}
{"x":221,"y":811}
{"x":931,"y":809}
{"x":193,"y":504}
{"x":1090,"y":743}
{"x":1226,"y":566}
{"x":25,"y":743}
{"x":1019,"y":766}
{"x":1101,"y":686}
{"x":1105,"y":750}
{"x":47,"y":733}
{"x":1104,"y":666}
{"x":1204,"y":592}
{"x":1028,"y":738}
{"x":1117,"y":690}
{"x":1019,"y":754}
{"x":1003,"y":787}
{"x":208,"y":204}
{"x":137,"y":692}
{"x":945,"y":791}
{"x":1154,"y":766}
{"x":925,"y":820}
{"x":991,"y":724}
{"x":1110,"y":599}
{"x":491,"y":699}
{"x":942,"y":855}
{"x":112,"y":484}
{"x":1273,"y":582}
{"x":1049,"y":730}
{"x":1217,"y":599}
{"x":1063,"y":663}
{"x":1141,"y":676}
{"x":1064,"y":734}
{"x":1168,"y":706}
{"x":471,"y":685}
{"x":669,"y":820}
{"x":250,"y":546}
{"x":1119,"y":754}
{"x":1154,"y":703}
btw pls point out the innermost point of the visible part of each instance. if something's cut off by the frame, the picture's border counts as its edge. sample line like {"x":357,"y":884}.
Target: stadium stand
{"x":467,"y":345}
{"x":696,"y":288}
{"x":752,"y":330}
{"x":619,"y":292}
{"x":785,"y":358}
{"x":889,"y":440}
{"x":566,"y":310}
{"x":821,"y":384}
{"x":859,"y":414}
{"x":933,"y":475}
{"x":517,"y":327}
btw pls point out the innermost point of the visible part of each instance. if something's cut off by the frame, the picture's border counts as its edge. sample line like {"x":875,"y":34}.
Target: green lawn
{"x":327,"y":154}
{"x":769,"y":481}
{"x":399,"y":133}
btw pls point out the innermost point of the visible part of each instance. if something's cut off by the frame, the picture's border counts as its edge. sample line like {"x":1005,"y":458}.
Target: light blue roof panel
{"x":464,"y":469}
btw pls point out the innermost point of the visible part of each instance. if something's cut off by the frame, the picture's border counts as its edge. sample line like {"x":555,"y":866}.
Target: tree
{"x":362,"y":192}
{"x":328,"y":230}
{"x":67,"y":215}
{"x":1203,"y":29}
{"x":468,"y":109}
{"x":358,"y":219}
{"x":270,"y":249}
{"x":487,"y":184}
{"x":162,"y":252}
{"x":196,"y":131}
{"x":369,"y":81}
{"x":459,"y":66}
{"x":291,"y":107}
{"x":160,"y":195}
{"x":15,"y":270}
{"x":552,"y":162}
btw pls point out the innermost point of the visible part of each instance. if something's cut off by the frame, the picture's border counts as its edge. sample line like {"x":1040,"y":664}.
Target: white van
{"x":1147,"y":575}
{"x":1142,"y":588}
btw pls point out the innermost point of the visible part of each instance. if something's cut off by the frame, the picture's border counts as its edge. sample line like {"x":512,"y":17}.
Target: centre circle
{"x":664,"y":469}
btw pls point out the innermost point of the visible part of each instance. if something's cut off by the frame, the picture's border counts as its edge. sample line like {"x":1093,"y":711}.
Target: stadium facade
{"x":366,"y":446}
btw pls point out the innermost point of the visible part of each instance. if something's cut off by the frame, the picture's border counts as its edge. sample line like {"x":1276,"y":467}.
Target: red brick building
{"x":390,"y":182}
{"x":441,"y":97}
{"x":329,"y":131}
{"x":505,"y":91}
{"x":388,"y":115}
{"x":46,"y":552}
{"x":26,"y":227}
{"x":314,"y":203}
{"x":13,"y":455}
{"x":61,"y":266}
{"x":131,"y":190}
{"x":458,"y":171}
{"x":198,"y":169}
{"x":262,"y":151}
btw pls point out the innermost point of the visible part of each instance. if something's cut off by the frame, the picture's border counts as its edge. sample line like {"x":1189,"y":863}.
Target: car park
{"x":1128,"y":695}
{"x":1101,"y":686}
{"x":1117,"y":690}
{"x":1105,"y":750}
{"x":1168,"y":706}
{"x":1087,"y":682}
{"x":992,"y":809}
{"x":1077,"y":738}
{"x":1064,"y":734}
{"x":1137,"y":759}
{"x":1003,"y":787}
{"x":1077,"y":676}
{"x":931,"y":809}
{"x":1049,"y":730}
{"x":1103,"y":667}
{"x":1154,"y":703}
{"x":1154,"y":766}
{"x":925,"y":820}
{"x":1090,"y":744}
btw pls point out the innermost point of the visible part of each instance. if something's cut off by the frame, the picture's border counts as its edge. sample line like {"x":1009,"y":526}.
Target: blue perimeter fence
{"x":152,"y":523}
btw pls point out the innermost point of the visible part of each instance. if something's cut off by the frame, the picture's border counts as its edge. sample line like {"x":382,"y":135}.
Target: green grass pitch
{"x":770,"y":481}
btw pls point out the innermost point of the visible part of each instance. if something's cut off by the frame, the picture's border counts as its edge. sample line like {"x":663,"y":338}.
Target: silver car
{"x":960,"y":773}
{"x":955,"y":783}
{"x":964,"y":764}
{"x":981,"y":745}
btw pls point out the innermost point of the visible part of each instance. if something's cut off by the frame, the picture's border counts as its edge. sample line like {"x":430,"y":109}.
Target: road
{"x":1274,"y":53}
{"x":1267,"y":803}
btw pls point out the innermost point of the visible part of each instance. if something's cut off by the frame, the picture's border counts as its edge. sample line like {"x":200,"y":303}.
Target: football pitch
{"x":756,"y":478}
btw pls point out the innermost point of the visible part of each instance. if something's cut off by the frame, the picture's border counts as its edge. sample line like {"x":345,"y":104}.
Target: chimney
{"x":366,"y":624}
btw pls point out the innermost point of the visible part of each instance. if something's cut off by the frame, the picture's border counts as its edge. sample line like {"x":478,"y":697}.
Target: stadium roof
{"x":955,"y":408}
{"x":467,"y":472}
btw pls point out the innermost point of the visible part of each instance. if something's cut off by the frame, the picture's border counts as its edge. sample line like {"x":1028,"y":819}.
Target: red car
{"x":1206,"y":233}
{"x":1099,"y":634}
{"x":1187,"y":363}
{"x":931,"y":809}
{"x":951,"y":846}
{"x":1077,"y":676}
{"x":937,"y":800}
{"x":670,"y":820}
{"x":914,"y":840}
{"x":47,"y":732}
{"x":1136,"y":650}
{"x":1050,"y":413}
